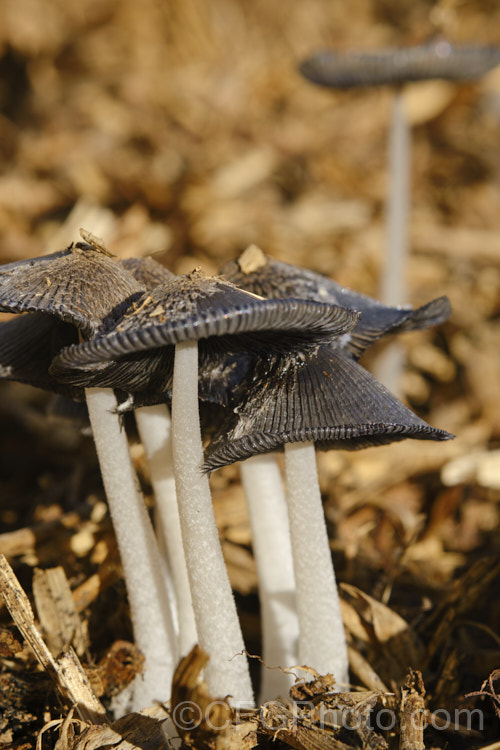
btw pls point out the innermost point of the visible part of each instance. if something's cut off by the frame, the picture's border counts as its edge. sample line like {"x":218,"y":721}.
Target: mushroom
{"x":321,"y":398}
{"x":356,"y":411}
{"x":72,"y":293}
{"x":223,"y":319}
{"x":437,"y":59}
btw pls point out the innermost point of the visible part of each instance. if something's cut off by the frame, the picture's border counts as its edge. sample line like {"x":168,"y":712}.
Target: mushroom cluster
{"x":277,"y":349}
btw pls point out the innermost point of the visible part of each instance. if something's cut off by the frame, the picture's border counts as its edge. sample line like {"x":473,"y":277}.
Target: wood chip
{"x":251,"y":259}
{"x":212,"y":727}
{"x":136,"y":731}
{"x":67,"y":671}
{"x":412,"y":710}
{"x":482,"y":467}
{"x":56,"y":609}
{"x":386,"y":628}
{"x":365,"y":672}
{"x":280,"y":723}
{"x":96,"y":242}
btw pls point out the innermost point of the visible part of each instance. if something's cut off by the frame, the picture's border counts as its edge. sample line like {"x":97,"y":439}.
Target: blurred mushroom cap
{"x":147,"y":271}
{"x":438,"y":59}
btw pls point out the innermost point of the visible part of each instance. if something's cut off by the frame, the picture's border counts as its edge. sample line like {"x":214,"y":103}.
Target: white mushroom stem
{"x":322,"y":642}
{"x":272,"y":549}
{"x":217,"y":623}
{"x":149,"y":607}
{"x":155,"y":430}
{"x":393,"y":282}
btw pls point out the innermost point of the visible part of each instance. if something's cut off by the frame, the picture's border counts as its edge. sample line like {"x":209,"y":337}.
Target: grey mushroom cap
{"x":325,"y":397}
{"x":232,"y":327}
{"x":80,"y":285}
{"x":147,"y":271}
{"x":70,"y":290}
{"x":28,"y":344}
{"x":222,"y":375}
{"x":147,"y":375}
{"x":438,"y":59}
{"x":198,"y":307}
{"x":129,"y":374}
{"x":274,"y":279}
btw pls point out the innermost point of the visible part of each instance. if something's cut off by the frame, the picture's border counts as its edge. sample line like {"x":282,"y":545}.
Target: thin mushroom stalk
{"x":390,"y":363}
{"x":267,"y":509}
{"x":154,"y":425}
{"x":150,"y":442}
{"x":149,"y":607}
{"x":155,"y":430}
{"x":318,"y":605}
{"x":226,"y":672}
{"x":393,"y":285}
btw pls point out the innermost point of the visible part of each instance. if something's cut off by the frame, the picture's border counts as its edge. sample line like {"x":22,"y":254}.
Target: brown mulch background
{"x":183,"y":130}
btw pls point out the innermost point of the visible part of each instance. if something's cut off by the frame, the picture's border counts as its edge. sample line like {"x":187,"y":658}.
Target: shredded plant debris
{"x":184,"y":131}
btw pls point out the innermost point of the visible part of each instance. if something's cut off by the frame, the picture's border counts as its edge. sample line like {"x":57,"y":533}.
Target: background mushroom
{"x":395,"y":67}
